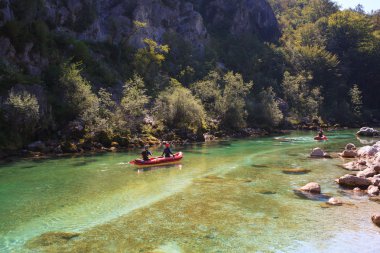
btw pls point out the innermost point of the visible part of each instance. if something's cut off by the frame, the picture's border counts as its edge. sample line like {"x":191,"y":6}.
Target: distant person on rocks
{"x":167,"y":152}
{"x":146,"y":153}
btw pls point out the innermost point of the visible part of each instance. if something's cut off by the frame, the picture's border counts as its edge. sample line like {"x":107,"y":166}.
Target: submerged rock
{"x":319,"y":153}
{"x":376,"y":219}
{"x":353,"y":181}
{"x":375,"y":199}
{"x":296,"y":171}
{"x":52,"y":238}
{"x":334,"y":202}
{"x":311,"y":196}
{"x":311,"y":187}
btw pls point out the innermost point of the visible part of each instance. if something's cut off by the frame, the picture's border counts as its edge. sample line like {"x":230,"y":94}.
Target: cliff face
{"x":112,"y":20}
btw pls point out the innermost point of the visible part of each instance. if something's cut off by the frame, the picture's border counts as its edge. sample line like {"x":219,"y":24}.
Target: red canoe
{"x":158,"y":160}
{"x":323,"y":138}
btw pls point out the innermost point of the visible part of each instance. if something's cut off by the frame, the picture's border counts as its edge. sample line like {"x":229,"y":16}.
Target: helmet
{"x":167,"y":145}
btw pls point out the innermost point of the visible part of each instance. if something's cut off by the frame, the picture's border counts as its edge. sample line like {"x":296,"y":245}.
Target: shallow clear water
{"x":228,"y":196}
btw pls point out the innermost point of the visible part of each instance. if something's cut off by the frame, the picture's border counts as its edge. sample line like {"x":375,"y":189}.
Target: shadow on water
{"x":259,"y":166}
{"x":158,"y":167}
{"x":311,"y":196}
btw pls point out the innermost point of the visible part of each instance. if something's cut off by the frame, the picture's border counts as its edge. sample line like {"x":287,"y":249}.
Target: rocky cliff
{"x":113,"y":20}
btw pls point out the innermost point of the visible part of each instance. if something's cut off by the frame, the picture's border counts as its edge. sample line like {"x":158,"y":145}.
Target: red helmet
{"x":167,"y":145}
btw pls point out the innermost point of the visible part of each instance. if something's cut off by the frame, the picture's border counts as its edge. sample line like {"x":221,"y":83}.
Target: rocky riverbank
{"x":76,"y":143}
{"x":364,"y":178}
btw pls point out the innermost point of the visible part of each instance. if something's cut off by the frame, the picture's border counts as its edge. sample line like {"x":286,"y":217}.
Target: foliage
{"x":177,"y":108}
{"x":356,"y":100}
{"x":208,"y":90}
{"x":78,"y":100}
{"x":21,"y":112}
{"x":265,"y":111}
{"x":232,"y":106}
{"x":303,"y":100}
{"x":134,"y":101}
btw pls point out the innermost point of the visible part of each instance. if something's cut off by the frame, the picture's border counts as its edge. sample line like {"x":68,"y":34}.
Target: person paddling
{"x":167,"y":152}
{"x":320,"y":133}
{"x":146,"y":153}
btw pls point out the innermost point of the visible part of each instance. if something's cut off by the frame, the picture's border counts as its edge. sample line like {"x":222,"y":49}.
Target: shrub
{"x":177,"y":108}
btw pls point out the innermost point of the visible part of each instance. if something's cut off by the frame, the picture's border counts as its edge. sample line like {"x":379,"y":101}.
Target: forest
{"x":323,"y":70}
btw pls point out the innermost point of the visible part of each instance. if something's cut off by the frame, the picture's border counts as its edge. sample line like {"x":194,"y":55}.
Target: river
{"x":226,"y":196}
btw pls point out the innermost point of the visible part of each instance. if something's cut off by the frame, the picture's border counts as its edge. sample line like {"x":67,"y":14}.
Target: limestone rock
{"x":311,"y":187}
{"x":373,"y":190}
{"x":334,"y":202}
{"x":349,"y":153}
{"x":367,"y":151}
{"x":369,"y":172}
{"x":350,"y":146}
{"x":353,"y":181}
{"x":376,"y":219}
{"x":367,"y":131}
{"x":319,"y":153}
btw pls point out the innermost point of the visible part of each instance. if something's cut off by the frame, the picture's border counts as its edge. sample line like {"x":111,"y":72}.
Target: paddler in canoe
{"x":146,"y":153}
{"x":167,"y":152}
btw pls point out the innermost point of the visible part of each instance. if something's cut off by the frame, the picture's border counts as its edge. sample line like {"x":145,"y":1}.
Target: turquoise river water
{"x":226,"y":196}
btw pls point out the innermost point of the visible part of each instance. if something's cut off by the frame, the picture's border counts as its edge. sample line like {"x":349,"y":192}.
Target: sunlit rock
{"x":353,"y":181}
{"x":376,"y":219}
{"x":311,"y":187}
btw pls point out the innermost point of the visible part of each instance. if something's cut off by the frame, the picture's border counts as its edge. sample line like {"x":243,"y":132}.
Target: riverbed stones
{"x":367,"y":151}
{"x":368,"y":131}
{"x":373,"y":190}
{"x":348,"y":153}
{"x":369,"y":172}
{"x":319,"y":153}
{"x":312,"y":188}
{"x":376,"y":219}
{"x":354,"y":181}
{"x":350,"y":146}
{"x":334,"y":202}
{"x":52,"y":238}
{"x":296,"y":171}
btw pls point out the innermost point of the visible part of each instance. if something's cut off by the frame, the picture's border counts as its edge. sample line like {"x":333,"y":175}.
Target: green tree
{"x":177,"y":108}
{"x":148,"y":60}
{"x":232,"y":105}
{"x":356,"y":100}
{"x":304,"y":101}
{"x":134,"y":102}
{"x":21,"y":115}
{"x":208,"y":90}
{"x":265,"y":111}
{"x":78,"y":101}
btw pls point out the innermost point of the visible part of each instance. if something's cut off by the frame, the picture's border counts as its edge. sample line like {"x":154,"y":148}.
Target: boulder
{"x":311,"y":187}
{"x":354,"y":181}
{"x":368,"y":131}
{"x":367,"y":151}
{"x":334,"y":202}
{"x":375,"y":181}
{"x":354,"y":166}
{"x":373,"y":190}
{"x":350,"y":146}
{"x":376,"y":219}
{"x":37,"y":146}
{"x":349,"y":153}
{"x":369,"y":172}
{"x":69,"y":147}
{"x":319,"y":153}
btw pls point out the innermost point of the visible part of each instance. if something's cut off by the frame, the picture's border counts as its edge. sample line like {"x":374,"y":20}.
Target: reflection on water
{"x":231,"y":196}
